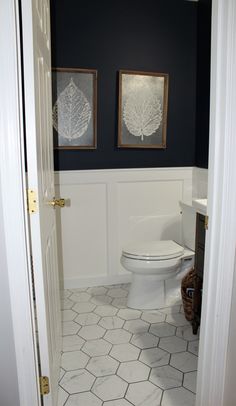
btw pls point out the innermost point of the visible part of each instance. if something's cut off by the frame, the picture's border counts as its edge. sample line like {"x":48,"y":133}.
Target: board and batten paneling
{"x":200,"y":183}
{"x":105,"y":209}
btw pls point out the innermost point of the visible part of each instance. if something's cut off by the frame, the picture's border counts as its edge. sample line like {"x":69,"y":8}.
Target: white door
{"x":39,"y":143}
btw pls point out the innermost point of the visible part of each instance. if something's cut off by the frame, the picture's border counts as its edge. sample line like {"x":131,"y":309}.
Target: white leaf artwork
{"x":142,"y":114}
{"x":71,"y":112}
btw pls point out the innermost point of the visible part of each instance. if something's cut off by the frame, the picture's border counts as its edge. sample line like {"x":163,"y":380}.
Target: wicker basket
{"x":188,"y":282}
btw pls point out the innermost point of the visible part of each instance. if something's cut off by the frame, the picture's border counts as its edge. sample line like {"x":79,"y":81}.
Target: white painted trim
{"x":96,"y":195}
{"x":200,"y":182}
{"x":14,"y":204}
{"x":101,"y":280}
{"x":221,"y":237}
{"x":93,"y":175}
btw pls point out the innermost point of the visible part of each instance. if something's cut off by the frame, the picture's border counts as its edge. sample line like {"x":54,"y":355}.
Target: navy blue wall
{"x":155,"y":35}
{"x":203,"y":83}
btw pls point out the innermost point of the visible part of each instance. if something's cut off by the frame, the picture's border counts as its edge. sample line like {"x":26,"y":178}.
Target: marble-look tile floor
{"x":117,"y":356}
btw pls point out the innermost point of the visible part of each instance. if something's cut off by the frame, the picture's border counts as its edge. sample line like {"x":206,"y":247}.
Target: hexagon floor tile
{"x":94,"y":348}
{"x":125,"y":352}
{"x":177,"y":319}
{"x":184,"y":361}
{"x":62,"y":397}
{"x":117,"y":356}
{"x":109,"y":387}
{"x":80,"y":297}
{"x":117,"y":292}
{"x":186,"y":332}
{"x":65,"y":293}
{"x":69,"y":328}
{"x":111,"y":322}
{"x":62,"y":373}
{"x":101,"y":299}
{"x":133,"y":371}
{"x":144,"y":393}
{"x":136,"y":326}
{"x":87,"y":319}
{"x":166,"y":377}
{"x":154,"y":357}
{"x":193,"y":347}
{"x":120,"y":302}
{"x":83,"y":307}
{"x":170,"y":310}
{"x":153,"y":316}
{"x":66,"y":304}
{"x":162,"y":330}
{"x":77,"y":381}
{"x":72,"y":343}
{"x":102,"y":366}
{"x":144,"y":340}
{"x":106,"y":310}
{"x":190,"y":381}
{"x":173,"y":344}
{"x":178,"y":397}
{"x":117,"y":336}
{"x":91,"y":332}
{"x":82,"y":399}
{"x":73,"y":360}
{"x":118,"y":402}
{"x":129,"y":314}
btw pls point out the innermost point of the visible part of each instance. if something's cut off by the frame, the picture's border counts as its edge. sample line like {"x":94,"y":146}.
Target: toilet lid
{"x":153,"y":250}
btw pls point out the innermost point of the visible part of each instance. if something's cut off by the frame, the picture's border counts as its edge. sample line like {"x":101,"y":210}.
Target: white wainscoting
{"x":108,"y":208}
{"x":200,"y":182}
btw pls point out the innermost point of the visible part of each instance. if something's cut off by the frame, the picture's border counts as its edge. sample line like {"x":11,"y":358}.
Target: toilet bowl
{"x":152,"y":263}
{"x":158,"y":267}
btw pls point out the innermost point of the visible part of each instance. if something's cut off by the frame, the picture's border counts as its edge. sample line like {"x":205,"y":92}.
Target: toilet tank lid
{"x":165,"y":249}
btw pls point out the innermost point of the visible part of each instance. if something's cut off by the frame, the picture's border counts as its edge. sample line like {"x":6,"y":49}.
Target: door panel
{"x":39,"y":142}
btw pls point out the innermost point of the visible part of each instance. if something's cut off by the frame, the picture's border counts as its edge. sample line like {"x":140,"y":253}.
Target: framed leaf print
{"x":74,"y":108}
{"x":142,"y":116}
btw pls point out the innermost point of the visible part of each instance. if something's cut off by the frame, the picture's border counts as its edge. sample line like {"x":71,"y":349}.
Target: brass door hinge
{"x":44,"y":385}
{"x":32,"y":201}
{"x":206,"y":222}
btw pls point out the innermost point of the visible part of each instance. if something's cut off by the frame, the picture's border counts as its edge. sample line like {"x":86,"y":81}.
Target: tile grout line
{"x":132,"y":333}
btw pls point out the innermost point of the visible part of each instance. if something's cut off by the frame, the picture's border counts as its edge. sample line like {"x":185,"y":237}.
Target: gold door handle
{"x":57,"y":202}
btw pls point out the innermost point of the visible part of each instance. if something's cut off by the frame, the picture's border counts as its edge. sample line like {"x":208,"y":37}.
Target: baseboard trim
{"x":73,"y":283}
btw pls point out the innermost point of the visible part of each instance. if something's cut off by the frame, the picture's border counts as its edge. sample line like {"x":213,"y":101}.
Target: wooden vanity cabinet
{"x":199,"y":266}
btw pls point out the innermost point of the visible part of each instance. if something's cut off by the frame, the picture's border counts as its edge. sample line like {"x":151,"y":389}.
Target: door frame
{"x":221,"y":236}
{"x":221,"y":207}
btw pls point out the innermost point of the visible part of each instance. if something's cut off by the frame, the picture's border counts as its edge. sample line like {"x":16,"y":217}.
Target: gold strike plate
{"x":32,"y":201}
{"x":44,"y":385}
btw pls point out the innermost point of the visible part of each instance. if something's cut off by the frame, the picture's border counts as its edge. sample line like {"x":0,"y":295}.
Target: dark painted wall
{"x":155,"y":35}
{"x":203,"y":83}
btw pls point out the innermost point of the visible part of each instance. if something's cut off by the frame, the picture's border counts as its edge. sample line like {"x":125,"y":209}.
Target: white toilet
{"x":158,"y":266}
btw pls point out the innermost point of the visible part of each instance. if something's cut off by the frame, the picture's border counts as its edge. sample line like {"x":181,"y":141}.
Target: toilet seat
{"x":153,"y":250}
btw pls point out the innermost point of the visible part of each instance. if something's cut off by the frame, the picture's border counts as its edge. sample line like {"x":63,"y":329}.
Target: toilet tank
{"x":188,"y":225}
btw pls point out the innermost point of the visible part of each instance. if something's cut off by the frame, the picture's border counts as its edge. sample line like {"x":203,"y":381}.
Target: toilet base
{"x":149,"y":293}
